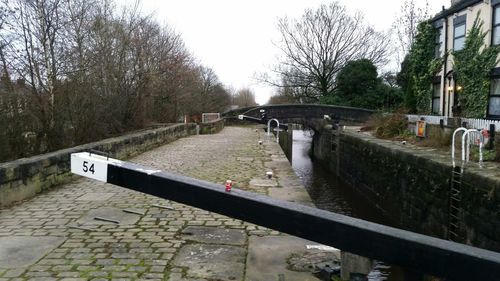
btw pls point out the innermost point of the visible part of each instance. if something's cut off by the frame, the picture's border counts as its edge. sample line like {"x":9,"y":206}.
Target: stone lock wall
{"x":23,"y":178}
{"x":411,"y":185}
{"x":286,"y":141}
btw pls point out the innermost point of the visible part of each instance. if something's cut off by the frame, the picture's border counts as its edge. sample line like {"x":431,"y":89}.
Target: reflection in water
{"x":324,"y":188}
{"x":329,"y":194}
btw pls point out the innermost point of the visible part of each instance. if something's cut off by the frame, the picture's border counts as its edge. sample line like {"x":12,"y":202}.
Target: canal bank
{"x":411,"y":184}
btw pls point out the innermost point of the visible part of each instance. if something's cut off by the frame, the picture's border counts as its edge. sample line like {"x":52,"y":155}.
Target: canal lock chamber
{"x":330,"y":193}
{"x":409,"y":187}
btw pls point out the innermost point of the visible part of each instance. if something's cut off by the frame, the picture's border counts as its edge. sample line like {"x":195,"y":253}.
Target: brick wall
{"x":23,"y":178}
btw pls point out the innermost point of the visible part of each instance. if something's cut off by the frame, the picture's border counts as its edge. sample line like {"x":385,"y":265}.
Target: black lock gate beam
{"x":395,"y":246}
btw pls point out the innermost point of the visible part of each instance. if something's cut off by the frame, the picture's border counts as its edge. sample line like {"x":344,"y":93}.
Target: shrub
{"x":391,"y":126}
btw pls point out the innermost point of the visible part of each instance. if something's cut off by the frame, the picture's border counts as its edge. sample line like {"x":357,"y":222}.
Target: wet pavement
{"x":56,"y":236}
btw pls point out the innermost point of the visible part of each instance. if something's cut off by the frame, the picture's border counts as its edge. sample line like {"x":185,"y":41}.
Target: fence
{"x":470,"y":123}
{"x":481,"y":123}
{"x":430,"y":119}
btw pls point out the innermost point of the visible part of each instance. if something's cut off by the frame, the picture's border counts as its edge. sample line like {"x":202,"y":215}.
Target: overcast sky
{"x":235,"y":37}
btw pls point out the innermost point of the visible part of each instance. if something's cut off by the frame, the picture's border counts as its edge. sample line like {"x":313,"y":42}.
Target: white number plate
{"x":90,"y":165}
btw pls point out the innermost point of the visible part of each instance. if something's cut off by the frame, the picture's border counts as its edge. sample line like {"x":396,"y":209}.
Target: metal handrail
{"x":453,"y":144}
{"x":466,"y":137}
{"x":277,"y":126}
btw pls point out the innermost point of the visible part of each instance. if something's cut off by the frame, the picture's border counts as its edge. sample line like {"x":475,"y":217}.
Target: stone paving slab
{"x":22,"y":251}
{"x":96,"y":196}
{"x":112,"y":215}
{"x":220,"y":262}
{"x":214,"y":235}
{"x":145,"y":247}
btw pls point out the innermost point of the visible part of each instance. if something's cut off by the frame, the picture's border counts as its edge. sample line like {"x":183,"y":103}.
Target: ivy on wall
{"x":472,"y":66}
{"x":425,"y":66}
{"x":418,"y":70}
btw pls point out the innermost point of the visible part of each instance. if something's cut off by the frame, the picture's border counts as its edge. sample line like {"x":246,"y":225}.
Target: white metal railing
{"x":471,"y":123}
{"x":469,"y":136}
{"x":476,"y":137}
{"x":481,"y":123}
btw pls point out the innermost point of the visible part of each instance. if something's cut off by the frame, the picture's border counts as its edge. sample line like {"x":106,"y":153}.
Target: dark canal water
{"x":329,"y":194}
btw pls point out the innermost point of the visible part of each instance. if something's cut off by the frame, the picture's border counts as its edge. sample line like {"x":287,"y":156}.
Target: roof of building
{"x":455,"y":8}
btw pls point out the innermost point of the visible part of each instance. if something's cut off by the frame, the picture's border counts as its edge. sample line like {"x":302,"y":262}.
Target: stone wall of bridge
{"x":212,"y":127}
{"x":296,"y":113}
{"x":24,"y":178}
{"x":411,"y":184}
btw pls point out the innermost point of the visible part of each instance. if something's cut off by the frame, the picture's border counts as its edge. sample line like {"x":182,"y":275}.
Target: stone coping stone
{"x":431,"y":156}
{"x":273,"y":254}
{"x":297,"y":195}
{"x":264,"y":182}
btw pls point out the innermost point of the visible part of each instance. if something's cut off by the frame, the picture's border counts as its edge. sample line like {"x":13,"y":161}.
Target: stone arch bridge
{"x":306,"y":114}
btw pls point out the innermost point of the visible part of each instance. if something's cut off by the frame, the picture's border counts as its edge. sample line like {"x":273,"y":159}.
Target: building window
{"x":494,"y":101}
{"x":496,"y":26}
{"x":436,"y":97}
{"x":438,"y":49}
{"x":459,"y":33}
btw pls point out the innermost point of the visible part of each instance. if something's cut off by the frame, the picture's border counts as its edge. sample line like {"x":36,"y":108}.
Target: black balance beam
{"x":421,"y":253}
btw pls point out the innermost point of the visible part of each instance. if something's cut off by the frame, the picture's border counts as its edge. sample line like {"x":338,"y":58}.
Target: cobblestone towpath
{"x":88,"y":230}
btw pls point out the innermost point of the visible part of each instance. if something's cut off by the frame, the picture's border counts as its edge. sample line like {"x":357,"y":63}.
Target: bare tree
{"x":405,"y":26}
{"x":245,"y":98}
{"x":317,"y":46}
{"x":281,"y":97}
{"x":35,"y":54}
{"x":5,"y":12}
{"x":85,"y":71}
{"x":211,"y":96}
